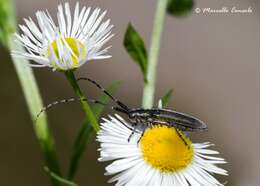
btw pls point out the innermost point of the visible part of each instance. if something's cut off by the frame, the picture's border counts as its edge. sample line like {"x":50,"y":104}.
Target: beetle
{"x":146,"y":118}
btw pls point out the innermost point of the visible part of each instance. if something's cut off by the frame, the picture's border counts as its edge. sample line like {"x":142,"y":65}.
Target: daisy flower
{"x":161,"y":158}
{"x":75,"y":40}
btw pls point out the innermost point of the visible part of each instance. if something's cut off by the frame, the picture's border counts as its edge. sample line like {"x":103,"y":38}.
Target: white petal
{"x":68,"y":16}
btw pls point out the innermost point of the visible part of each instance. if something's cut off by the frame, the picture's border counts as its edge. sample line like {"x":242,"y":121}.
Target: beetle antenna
{"x":65,"y":101}
{"x":122,"y":105}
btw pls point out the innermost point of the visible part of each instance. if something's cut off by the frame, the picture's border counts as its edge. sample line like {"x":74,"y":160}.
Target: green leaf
{"x":179,"y":7}
{"x":166,"y":98}
{"x":86,"y":131}
{"x":59,"y":179}
{"x":135,"y":47}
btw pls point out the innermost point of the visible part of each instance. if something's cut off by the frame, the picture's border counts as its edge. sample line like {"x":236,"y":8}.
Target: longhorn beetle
{"x":146,"y":118}
{"x":155,"y":116}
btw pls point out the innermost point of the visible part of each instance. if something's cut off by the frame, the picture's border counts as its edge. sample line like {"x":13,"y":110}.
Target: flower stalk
{"x":85,"y":106}
{"x":34,"y":103}
{"x":149,"y":86}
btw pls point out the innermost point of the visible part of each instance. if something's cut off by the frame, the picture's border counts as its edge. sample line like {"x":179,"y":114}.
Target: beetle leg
{"x":149,"y":125}
{"x":130,"y":136}
{"x":133,"y":131}
{"x":179,"y":134}
{"x":141,"y":136}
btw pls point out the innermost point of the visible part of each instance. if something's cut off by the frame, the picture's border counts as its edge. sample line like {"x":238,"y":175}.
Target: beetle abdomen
{"x":172,"y":118}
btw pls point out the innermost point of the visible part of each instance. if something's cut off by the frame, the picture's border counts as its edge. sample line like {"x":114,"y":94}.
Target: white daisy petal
{"x":84,"y":20}
{"x":78,"y":38}
{"x":68,"y":18}
{"x":138,"y":181}
{"x":75,"y":21}
{"x":48,"y":31}
{"x":80,"y":24}
{"x":61,"y":21}
{"x":34,"y":29}
{"x":38,"y":59}
{"x":118,"y":165}
{"x":130,"y":168}
{"x":29,"y":34}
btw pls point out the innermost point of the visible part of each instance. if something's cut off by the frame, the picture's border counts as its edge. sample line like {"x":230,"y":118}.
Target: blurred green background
{"x":210,"y":60}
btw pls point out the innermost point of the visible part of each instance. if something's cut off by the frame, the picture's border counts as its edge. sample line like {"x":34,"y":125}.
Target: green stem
{"x":85,"y":106}
{"x":31,"y":93}
{"x":34,"y":103}
{"x":149,"y":86}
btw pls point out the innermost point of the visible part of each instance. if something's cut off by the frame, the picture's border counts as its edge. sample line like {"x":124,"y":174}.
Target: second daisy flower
{"x":77,"y":39}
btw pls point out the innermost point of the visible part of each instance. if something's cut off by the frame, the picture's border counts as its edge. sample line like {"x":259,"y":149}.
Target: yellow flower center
{"x":164,"y":149}
{"x":77,"y":50}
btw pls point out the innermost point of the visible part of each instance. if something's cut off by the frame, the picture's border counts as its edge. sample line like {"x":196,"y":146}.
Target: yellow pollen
{"x":77,"y":47}
{"x":163,"y":149}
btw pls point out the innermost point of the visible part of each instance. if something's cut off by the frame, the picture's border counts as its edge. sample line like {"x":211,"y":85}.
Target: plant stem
{"x":31,"y":93}
{"x":149,"y":86}
{"x":34,"y":103}
{"x":85,"y":106}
